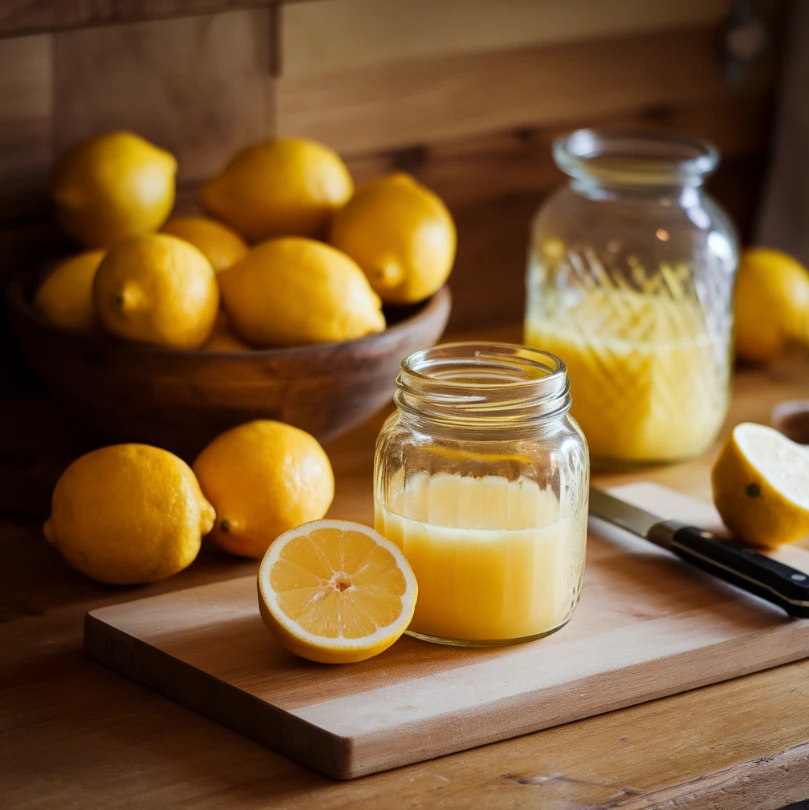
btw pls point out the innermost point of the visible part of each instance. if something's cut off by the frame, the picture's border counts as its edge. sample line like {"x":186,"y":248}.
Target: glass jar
{"x":630,"y":281}
{"x":481,"y":478}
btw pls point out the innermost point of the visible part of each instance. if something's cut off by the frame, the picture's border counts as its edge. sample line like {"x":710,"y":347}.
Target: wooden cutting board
{"x":647,"y":626}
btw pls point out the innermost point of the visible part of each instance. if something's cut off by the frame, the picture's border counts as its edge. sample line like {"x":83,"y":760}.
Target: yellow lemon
{"x":760,"y":486}
{"x":65,"y":296}
{"x":222,"y":338}
{"x":222,"y":246}
{"x":128,"y":514}
{"x":113,"y":187}
{"x":401,"y":235}
{"x":284,"y":187}
{"x":295,"y":291}
{"x":772,"y":305}
{"x":263,"y":478}
{"x":157,"y":289}
{"x":336,"y":592}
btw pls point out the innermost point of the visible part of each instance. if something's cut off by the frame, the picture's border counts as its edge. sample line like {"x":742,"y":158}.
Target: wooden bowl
{"x":180,"y":400}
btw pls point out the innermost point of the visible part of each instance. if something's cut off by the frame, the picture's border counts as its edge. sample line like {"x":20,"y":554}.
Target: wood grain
{"x":73,"y":732}
{"x":199,"y":86}
{"x":438,"y":99}
{"x":648,"y":625}
{"x":26,"y":102}
{"x":320,"y":37}
{"x":24,"y":16}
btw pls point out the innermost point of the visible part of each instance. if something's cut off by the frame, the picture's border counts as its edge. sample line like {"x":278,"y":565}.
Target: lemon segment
{"x":297,"y":291}
{"x":263,"y":478}
{"x":221,"y":246}
{"x":284,"y":187}
{"x":336,"y":592}
{"x":65,"y":296}
{"x":157,"y":289}
{"x":760,"y":484}
{"x":113,"y":187}
{"x":128,"y":514}
{"x":401,"y":234}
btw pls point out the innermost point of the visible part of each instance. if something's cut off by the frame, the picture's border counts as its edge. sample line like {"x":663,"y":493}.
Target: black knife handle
{"x":774,"y":581}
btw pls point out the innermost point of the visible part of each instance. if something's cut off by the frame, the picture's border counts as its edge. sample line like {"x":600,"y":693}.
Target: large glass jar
{"x":481,"y":478}
{"x":630,"y":281}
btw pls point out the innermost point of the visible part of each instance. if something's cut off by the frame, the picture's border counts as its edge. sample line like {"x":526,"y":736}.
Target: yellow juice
{"x":494,"y":559}
{"x":649,"y":383}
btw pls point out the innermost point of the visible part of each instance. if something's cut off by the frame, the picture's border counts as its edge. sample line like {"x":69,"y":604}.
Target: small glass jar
{"x":481,"y":478}
{"x":630,"y":281}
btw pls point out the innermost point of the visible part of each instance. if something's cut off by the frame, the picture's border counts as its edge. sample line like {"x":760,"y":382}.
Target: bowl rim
{"x":438,"y":304}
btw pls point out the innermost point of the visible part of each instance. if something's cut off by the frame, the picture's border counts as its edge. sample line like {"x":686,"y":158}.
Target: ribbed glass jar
{"x":481,"y":478}
{"x":630,"y":281}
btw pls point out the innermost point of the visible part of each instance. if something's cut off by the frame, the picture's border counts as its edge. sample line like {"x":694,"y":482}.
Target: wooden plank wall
{"x":466,"y":94}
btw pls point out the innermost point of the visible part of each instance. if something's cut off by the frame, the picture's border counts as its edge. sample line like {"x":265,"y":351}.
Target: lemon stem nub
{"x":754,"y":490}
{"x":119,"y":301}
{"x":224,"y":525}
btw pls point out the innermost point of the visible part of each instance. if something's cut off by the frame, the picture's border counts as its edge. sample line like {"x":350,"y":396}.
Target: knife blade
{"x":755,"y":573}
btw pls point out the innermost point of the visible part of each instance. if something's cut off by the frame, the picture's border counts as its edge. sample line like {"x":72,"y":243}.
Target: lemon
{"x":772,"y":305}
{"x":157,"y":289}
{"x":336,"y":592}
{"x":761,"y":486}
{"x":222,"y":246}
{"x":65,"y":296}
{"x":113,"y":187}
{"x":284,"y":187}
{"x":263,"y":478}
{"x":222,"y":338}
{"x":295,"y":291}
{"x":401,"y":234}
{"x":128,"y":514}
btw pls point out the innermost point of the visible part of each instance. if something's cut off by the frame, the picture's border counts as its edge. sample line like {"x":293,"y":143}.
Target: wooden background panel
{"x":26,"y":98}
{"x":439,"y":99}
{"x":198,"y":86}
{"x":320,"y":37}
{"x":25,"y":16}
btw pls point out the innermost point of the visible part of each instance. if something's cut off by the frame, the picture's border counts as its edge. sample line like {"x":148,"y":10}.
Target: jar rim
{"x":635,"y":157}
{"x":483,"y":383}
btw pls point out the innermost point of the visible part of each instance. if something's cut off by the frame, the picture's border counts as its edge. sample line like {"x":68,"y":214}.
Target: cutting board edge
{"x":520,"y":705}
{"x":276,"y":729}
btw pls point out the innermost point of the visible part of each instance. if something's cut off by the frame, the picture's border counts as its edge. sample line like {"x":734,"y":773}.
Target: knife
{"x":755,"y":573}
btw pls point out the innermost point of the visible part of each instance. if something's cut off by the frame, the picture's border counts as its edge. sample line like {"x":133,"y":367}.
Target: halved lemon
{"x":335,"y":591}
{"x":761,"y":486}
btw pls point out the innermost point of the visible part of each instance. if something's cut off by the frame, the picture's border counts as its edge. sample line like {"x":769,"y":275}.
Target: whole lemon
{"x":263,"y":478}
{"x":222,"y":246}
{"x":128,"y":514}
{"x":772,"y":305}
{"x":401,"y":234}
{"x":157,"y":289}
{"x":113,"y":187}
{"x":284,"y":187}
{"x":65,"y":296}
{"x":294,"y":291}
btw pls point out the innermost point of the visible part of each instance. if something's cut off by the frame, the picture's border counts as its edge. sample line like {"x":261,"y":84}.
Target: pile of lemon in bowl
{"x":289,"y":254}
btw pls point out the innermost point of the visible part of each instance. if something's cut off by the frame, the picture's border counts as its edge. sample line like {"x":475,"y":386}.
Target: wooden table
{"x":75,"y":734}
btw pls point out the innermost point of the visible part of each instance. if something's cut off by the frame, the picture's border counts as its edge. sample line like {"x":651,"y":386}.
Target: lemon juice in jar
{"x":630,"y":281}
{"x":481,"y":479}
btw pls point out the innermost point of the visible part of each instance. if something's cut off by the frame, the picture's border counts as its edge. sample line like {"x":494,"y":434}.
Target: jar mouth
{"x":485,"y":384}
{"x":635,"y":157}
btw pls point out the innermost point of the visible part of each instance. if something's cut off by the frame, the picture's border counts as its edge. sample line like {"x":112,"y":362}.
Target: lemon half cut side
{"x":334,"y":591}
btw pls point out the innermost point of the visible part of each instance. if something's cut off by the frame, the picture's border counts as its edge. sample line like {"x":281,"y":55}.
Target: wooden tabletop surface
{"x":75,"y":734}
